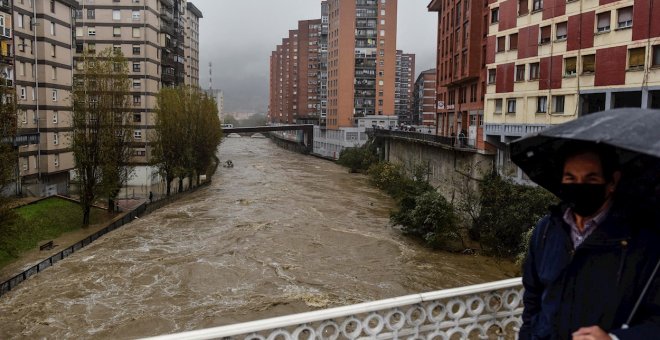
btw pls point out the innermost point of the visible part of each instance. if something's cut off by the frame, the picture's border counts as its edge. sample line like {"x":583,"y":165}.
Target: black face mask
{"x":584,"y":199}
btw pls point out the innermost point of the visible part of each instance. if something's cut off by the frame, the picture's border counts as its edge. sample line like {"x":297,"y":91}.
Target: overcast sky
{"x":238,"y":36}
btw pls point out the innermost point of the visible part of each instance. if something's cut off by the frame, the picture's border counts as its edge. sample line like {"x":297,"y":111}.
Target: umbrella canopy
{"x":634,"y":133}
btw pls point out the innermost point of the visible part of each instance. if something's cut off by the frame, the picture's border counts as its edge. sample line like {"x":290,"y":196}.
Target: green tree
{"x":187,"y":134}
{"x":100,"y":128}
{"x":507,"y":212}
{"x":8,"y":162}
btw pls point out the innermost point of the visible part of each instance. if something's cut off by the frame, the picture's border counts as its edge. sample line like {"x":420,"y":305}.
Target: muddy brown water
{"x":279,"y":233}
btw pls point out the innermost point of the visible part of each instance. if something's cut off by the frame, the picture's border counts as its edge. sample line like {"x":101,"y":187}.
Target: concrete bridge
{"x":307,"y":129}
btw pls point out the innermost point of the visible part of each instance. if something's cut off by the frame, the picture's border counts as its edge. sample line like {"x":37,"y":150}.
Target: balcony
{"x":366,"y":3}
{"x":5,"y":6}
{"x":166,"y":15}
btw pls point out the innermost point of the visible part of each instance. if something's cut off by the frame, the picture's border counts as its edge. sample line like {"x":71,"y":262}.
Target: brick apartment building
{"x":550,"y":62}
{"x":295,"y":76}
{"x":404,"y":85}
{"x":361,"y":60}
{"x":191,"y":45}
{"x":43,"y":60}
{"x":424,"y":106}
{"x":461,"y":73}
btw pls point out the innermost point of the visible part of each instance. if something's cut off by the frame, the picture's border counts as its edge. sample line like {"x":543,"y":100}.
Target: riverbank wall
{"x":141,"y":210}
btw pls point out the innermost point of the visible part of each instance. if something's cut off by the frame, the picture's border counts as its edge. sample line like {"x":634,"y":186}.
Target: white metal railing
{"x":484,"y":311}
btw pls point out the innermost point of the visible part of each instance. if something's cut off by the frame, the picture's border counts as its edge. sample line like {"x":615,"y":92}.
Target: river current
{"x":279,"y":233}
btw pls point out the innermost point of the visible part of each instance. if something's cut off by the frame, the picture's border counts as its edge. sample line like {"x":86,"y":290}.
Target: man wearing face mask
{"x":590,"y":260}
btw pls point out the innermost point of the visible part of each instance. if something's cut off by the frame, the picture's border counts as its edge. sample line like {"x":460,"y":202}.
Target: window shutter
{"x":637,"y":57}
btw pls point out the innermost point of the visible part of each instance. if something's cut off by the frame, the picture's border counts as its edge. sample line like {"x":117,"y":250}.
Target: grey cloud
{"x":239,"y":35}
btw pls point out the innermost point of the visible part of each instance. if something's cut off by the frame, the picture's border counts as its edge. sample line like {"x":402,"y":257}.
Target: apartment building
{"x":550,"y":62}
{"x":191,"y":45}
{"x":308,"y":60}
{"x":323,"y":67}
{"x":460,"y":68}
{"x":43,"y":44}
{"x":404,"y":84}
{"x":361,"y":60}
{"x":134,"y":28}
{"x":297,"y":77}
{"x":424,"y":100}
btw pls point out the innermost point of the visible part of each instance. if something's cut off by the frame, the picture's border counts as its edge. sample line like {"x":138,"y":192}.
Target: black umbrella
{"x":634,"y":133}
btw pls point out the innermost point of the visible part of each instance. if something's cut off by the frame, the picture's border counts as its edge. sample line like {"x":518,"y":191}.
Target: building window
{"x":541,"y":104}
{"x":545,"y":34}
{"x":91,"y":31}
{"x":558,"y":103}
{"x":116,"y":14}
{"x":603,"y":23}
{"x":56,"y":138}
{"x":501,"y":44}
{"x":116,"y":31}
{"x":136,"y":32}
{"x":136,"y":49}
{"x":136,"y":67}
{"x":137,"y":84}
{"x":520,"y":72}
{"x":52,"y":28}
{"x":498,"y":105}
{"x":137,"y":100}
{"x":537,"y":5}
{"x":513,"y":41}
{"x":137,"y":134}
{"x":52,"y":6}
{"x":656,"y":56}
{"x":79,"y":32}
{"x":570,"y":66}
{"x":91,"y":47}
{"x":54,"y":95}
{"x":636,"y":58}
{"x":492,"y":75}
{"x":23,"y":94}
{"x":534,"y":71}
{"x":588,"y":63}
{"x":494,"y":15}
{"x":625,"y":18}
{"x":136,"y":15}
{"x":561,"y":31}
{"x":55,"y":117}
{"x":511,"y":105}
{"x":523,"y":7}
{"x":137,"y":118}
{"x":56,"y":160}
{"x":54,"y":72}
{"x":91,"y":14}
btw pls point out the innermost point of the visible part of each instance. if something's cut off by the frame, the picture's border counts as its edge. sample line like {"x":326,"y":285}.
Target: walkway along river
{"x":279,"y":233}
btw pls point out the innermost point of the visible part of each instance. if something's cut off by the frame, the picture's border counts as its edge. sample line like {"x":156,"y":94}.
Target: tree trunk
{"x":180,"y":184}
{"x":111,"y":205}
{"x":199,"y":178}
{"x":86,"y":212}
{"x":169,"y":186}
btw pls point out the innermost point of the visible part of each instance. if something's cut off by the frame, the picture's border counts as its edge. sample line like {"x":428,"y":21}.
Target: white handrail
{"x":333,"y":313}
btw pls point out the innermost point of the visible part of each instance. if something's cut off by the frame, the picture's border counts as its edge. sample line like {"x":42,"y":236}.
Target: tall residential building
{"x":551,"y":62}
{"x":296,"y":76}
{"x":404,"y":84}
{"x":308,"y":83}
{"x":43,"y":44}
{"x":135,"y":29}
{"x":461,"y":73}
{"x":193,"y":14}
{"x":424,"y":99}
{"x":323,"y":67}
{"x":361,"y":60}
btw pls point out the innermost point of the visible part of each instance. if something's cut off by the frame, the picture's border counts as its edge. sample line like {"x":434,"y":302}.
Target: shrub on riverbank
{"x":359,"y":159}
{"x":38,"y":222}
{"x":507,"y":212}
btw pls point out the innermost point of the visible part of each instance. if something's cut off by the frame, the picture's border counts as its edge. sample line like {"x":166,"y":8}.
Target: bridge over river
{"x":280,"y":233}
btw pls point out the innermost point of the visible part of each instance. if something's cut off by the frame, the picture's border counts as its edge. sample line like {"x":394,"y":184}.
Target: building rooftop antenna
{"x":211,"y":75}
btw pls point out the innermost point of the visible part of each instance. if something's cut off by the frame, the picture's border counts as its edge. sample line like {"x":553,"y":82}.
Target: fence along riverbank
{"x":141,"y":210}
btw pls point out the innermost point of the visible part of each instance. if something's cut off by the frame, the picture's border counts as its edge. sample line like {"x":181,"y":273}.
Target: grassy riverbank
{"x":40,"y":222}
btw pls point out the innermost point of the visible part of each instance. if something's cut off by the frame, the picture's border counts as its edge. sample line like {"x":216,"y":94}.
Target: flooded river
{"x":279,"y":233}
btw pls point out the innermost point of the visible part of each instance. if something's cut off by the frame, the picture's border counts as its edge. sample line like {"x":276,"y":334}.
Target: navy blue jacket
{"x":596,"y":284}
